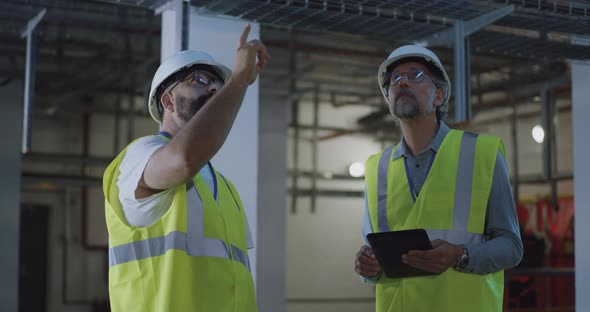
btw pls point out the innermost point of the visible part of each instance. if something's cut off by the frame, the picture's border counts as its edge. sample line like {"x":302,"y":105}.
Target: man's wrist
{"x":463,"y":258}
{"x":458,"y":254}
{"x":373,"y":276}
{"x":240,"y":80}
{"x":371,"y":279}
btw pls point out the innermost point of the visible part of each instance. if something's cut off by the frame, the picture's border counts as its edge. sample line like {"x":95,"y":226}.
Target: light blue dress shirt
{"x":502,"y":248}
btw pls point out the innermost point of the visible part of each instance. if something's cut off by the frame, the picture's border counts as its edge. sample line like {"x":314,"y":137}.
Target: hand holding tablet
{"x":390,"y":246}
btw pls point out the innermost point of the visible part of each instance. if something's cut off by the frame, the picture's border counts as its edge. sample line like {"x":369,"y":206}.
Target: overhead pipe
{"x":549,"y":148}
{"x":515,"y":149}
{"x":117,"y":129}
{"x":294,"y":102}
{"x":86,"y":143}
{"x":314,"y":146}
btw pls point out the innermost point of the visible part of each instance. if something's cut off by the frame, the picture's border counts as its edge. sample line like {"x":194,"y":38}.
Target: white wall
{"x":321,"y":246}
{"x":321,"y":249}
{"x":581,"y":111}
{"x":272,"y":216}
{"x":238,"y":158}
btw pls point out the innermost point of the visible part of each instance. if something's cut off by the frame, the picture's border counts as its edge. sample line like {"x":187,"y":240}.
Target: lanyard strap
{"x":165,"y":134}
{"x":214,"y":180}
{"x":410,"y":180}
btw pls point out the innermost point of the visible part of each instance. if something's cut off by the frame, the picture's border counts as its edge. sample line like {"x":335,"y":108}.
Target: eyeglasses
{"x":200,"y":77}
{"x":413,"y":76}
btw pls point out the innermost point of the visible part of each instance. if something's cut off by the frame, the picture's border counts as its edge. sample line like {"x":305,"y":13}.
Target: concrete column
{"x":258,"y":137}
{"x":238,"y":158}
{"x":272,"y":211}
{"x":10,"y":166}
{"x":171,"y":28}
{"x":581,"y":128}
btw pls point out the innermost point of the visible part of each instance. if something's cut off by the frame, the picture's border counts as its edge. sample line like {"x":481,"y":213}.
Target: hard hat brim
{"x":221,"y":69}
{"x":382,"y":73}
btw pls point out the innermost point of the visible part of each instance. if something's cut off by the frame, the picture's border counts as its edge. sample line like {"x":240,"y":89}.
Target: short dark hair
{"x":179,"y":75}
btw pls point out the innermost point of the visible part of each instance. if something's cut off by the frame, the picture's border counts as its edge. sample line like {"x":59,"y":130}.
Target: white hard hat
{"x":413,"y":51}
{"x":176,"y":63}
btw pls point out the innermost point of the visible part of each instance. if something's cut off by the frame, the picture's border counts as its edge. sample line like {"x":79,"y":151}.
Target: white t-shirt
{"x":145,"y":211}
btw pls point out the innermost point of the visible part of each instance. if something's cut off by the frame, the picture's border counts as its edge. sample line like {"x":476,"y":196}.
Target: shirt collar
{"x":442,"y":132}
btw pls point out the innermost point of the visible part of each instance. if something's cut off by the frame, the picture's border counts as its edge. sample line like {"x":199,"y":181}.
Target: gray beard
{"x":406,"y":107}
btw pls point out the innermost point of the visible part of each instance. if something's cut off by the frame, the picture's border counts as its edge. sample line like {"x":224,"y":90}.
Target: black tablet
{"x":389,"y":247}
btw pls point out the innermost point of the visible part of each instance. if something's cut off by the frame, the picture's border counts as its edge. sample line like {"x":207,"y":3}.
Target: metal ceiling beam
{"x":31,"y":61}
{"x":222,"y":6}
{"x":448,"y":36}
{"x":151,"y":4}
{"x":458,"y":36}
{"x":320,"y":16}
{"x":462,"y":74}
{"x":98,"y":20}
{"x":107,"y":80}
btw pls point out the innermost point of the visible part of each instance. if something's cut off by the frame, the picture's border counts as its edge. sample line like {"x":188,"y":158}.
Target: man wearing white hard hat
{"x":178,"y":234}
{"x":453,"y":184}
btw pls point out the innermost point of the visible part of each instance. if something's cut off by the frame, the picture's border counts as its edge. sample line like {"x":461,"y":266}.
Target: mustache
{"x":195,"y":105}
{"x":202,"y":100}
{"x":405,"y":92}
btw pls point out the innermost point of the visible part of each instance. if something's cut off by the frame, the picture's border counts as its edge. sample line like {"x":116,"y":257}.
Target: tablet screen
{"x":390,"y":246}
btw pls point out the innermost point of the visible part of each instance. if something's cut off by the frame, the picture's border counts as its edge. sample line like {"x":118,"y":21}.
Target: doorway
{"x":32,"y":289}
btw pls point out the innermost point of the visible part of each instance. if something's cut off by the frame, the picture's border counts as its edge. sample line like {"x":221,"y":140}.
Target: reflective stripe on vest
{"x":194,"y":242}
{"x":382,"y":172}
{"x":462,"y":193}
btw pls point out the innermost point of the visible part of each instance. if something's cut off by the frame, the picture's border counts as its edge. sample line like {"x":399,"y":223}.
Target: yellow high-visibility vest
{"x":194,"y":258}
{"x":452,"y":206}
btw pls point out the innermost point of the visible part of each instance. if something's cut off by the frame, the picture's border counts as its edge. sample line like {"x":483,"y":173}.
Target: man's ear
{"x":439,"y":97}
{"x":166,"y":100}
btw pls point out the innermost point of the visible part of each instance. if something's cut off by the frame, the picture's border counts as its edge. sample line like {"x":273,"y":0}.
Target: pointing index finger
{"x":244,"y":36}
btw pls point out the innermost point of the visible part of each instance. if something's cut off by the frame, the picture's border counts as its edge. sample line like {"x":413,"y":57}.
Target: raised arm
{"x":204,"y":134}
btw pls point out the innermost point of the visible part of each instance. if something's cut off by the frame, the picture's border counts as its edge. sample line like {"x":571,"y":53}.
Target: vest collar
{"x":442,"y":132}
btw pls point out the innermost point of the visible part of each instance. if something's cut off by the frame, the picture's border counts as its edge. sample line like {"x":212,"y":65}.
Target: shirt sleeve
{"x":367,"y":229}
{"x":249,"y":239}
{"x":145,"y":211}
{"x":502,"y":248}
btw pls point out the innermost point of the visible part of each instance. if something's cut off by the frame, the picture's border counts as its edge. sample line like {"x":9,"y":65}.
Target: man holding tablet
{"x":452,"y":184}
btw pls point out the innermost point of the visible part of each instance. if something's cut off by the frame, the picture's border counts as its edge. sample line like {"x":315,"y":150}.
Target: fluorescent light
{"x":357,"y":169}
{"x":538,"y":134}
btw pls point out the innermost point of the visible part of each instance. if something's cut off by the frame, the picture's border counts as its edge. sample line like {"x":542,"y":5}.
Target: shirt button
{"x":417,"y":166}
